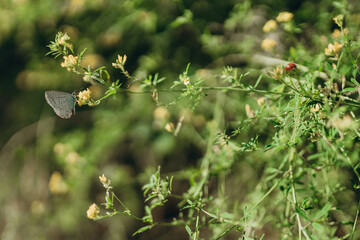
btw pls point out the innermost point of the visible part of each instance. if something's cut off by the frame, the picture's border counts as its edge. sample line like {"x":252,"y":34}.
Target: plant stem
{"x":355,"y":222}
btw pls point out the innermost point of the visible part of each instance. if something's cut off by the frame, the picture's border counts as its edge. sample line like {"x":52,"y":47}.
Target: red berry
{"x":290,"y":66}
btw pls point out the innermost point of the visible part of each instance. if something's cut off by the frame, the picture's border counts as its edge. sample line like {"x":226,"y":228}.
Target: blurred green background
{"x":50,"y":166}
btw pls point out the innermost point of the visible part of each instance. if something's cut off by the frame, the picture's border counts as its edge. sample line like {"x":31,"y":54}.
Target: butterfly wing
{"x":63,"y":103}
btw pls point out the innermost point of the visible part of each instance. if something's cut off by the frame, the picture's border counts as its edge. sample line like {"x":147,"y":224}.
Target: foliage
{"x":249,"y":147}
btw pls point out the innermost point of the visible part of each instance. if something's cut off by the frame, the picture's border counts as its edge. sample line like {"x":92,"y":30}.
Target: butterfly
{"x":63,"y":103}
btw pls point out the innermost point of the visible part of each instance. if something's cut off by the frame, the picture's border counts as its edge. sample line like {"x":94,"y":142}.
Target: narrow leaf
{"x":323,"y":211}
{"x":143,"y":229}
{"x":188,"y":229}
{"x":301,"y":213}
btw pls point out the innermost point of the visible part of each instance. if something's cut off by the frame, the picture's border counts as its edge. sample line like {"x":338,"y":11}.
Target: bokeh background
{"x":50,"y":166}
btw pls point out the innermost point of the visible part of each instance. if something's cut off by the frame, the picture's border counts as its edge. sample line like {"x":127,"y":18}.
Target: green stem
{"x":355,"y":222}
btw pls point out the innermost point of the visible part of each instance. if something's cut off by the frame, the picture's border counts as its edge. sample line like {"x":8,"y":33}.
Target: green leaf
{"x":301,"y":213}
{"x":354,"y":81}
{"x":82,"y":53}
{"x":328,"y":66}
{"x":226,"y":215}
{"x":258,"y":81}
{"x":349,"y":89}
{"x":143,"y":229}
{"x":317,"y":226}
{"x":323,"y":211}
{"x":188,"y":229}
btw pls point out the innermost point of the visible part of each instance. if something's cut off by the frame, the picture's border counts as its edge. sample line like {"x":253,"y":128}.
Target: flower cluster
{"x":93,"y":211}
{"x":269,"y":44}
{"x":84,"y":97}
{"x":269,"y":26}
{"x":70,"y":62}
{"x":333,"y":49}
{"x":284,"y":17}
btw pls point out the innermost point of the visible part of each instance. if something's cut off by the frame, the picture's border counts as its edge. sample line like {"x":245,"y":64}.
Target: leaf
{"x":328,"y":66}
{"x":317,"y":226}
{"x":258,"y":81}
{"x":354,"y":81}
{"x":301,"y":213}
{"x":349,"y":89}
{"x":275,"y":123}
{"x":143,"y":229}
{"x":188,"y":229}
{"x":315,"y":156}
{"x":82,"y":53}
{"x":226,"y":215}
{"x":323,"y":211}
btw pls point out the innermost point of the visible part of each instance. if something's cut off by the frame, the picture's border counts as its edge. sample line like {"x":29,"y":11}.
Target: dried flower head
{"x":104,"y":180}
{"x":84,"y":97}
{"x":120,"y":62}
{"x":284,"y":17}
{"x":333,"y":49}
{"x":70,"y":62}
{"x":278,"y":73}
{"x":270,"y":25}
{"x":93,"y":211}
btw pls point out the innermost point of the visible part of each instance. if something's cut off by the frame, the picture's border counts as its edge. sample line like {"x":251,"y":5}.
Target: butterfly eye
{"x":290,"y":66}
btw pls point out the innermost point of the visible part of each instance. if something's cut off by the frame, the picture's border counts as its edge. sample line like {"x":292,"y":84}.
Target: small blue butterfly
{"x":63,"y":103}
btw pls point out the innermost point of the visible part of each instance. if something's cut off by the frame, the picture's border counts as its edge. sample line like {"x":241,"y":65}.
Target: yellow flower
{"x":69,"y":62}
{"x":57,"y":184}
{"x":120,"y":62}
{"x":336,"y":33}
{"x":93,"y":211}
{"x":261,"y":101}
{"x":84,"y":97}
{"x":269,"y":26}
{"x":278,"y":73}
{"x":315,"y":108}
{"x":333,"y":49}
{"x":268,"y":44}
{"x":104,"y":180}
{"x":284,"y":17}
{"x":169,"y":127}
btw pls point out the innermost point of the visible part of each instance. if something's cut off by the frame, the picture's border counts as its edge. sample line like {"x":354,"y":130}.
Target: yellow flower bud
{"x":268,"y":44}
{"x":284,"y":17}
{"x":269,"y":26}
